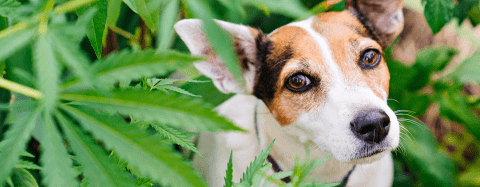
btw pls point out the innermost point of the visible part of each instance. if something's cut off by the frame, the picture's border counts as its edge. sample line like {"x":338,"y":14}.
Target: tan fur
{"x":345,"y":42}
{"x":286,"y":106}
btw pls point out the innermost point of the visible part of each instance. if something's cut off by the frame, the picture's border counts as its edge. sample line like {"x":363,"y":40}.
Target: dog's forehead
{"x":343,"y":37}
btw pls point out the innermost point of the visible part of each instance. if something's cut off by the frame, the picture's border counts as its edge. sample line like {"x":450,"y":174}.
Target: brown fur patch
{"x":304,"y":58}
{"x":348,"y":39}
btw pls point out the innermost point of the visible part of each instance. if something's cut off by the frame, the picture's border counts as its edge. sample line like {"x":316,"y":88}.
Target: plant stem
{"x":15,"y":28}
{"x":71,"y":5}
{"x":121,"y":32}
{"x":21,"y":89}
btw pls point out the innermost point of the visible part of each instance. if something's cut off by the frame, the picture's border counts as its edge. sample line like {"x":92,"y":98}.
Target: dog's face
{"x":324,"y":79}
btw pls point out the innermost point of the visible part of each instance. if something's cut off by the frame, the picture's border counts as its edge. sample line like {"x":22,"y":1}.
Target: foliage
{"x":111,"y":113}
{"x":419,"y":150}
{"x":257,"y":170}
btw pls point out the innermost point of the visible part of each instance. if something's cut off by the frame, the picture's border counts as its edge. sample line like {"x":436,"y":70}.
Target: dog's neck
{"x":288,"y":147}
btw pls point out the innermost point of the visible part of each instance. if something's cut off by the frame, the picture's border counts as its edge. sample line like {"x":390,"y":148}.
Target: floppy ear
{"x":384,"y":18}
{"x":246,"y":41}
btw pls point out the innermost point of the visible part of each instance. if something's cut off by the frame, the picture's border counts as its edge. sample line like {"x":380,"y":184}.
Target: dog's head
{"x":325,"y":79}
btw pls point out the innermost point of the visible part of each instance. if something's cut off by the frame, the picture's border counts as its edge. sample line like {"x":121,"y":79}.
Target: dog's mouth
{"x":372,"y":153}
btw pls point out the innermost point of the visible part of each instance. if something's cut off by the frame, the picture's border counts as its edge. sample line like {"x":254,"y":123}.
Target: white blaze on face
{"x":328,"y":125}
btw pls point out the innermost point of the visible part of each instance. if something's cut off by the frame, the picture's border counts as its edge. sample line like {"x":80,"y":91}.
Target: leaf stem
{"x":21,"y":89}
{"x":15,"y":28}
{"x":121,"y":32}
{"x":71,"y":5}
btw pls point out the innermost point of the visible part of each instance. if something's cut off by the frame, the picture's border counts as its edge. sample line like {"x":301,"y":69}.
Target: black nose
{"x":371,"y":125}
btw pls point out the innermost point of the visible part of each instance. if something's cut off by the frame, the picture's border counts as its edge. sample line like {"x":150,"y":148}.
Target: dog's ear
{"x":384,"y":18}
{"x":246,"y":41}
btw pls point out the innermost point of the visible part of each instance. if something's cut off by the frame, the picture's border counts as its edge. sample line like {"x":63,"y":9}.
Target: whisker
{"x":392,"y":100}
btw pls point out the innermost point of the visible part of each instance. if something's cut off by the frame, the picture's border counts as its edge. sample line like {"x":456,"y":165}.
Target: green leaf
{"x":57,"y":165}
{"x":148,"y":154}
{"x":167,"y":19}
{"x":318,"y":184}
{"x":220,"y":41}
{"x":438,"y":13}
{"x":7,"y":7}
{"x":131,"y":5}
{"x":175,"y":110}
{"x":97,"y":167}
{"x":428,"y":61}
{"x":148,"y":13}
{"x":301,"y":170}
{"x":290,"y":8}
{"x":257,"y":178}
{"x":78,"y":30}
{"x":14,"y":142}
{"x":176,"y":89}
{"x":208,"y":91}
{"x":144,"y":182}
{"x":27,"y":165}
{"x":153,"y":82}
{"x":277,"y":177}
{"x":175,"y":136}
{"x":96,"y":26}
{"x":113,"y":12}
{"x":456,"y":108}
{"x":23,"y":178}
{"x":229,"y":172}
{"x":255,"y":165}
{"x":72,"y":56}
{"x":431,"y":167}
{"x":46,"y":71}
{"x":467,"y":72}
{"x":9,"y":181}
{"x":235,"y":11}
{"x":128,"y":65}
{"x":15,"y":41}
{"x":461,"y":9}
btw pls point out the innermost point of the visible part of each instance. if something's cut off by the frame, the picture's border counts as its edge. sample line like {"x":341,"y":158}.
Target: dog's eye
{"x":370,"y":58}
{"x":298,"y":83}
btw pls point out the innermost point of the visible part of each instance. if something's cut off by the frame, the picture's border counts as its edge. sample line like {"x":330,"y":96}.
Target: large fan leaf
{"x":176,"y":110}
{"x":129,"y":65}
{"x":147,"y":153}
{"x":46,"y":70}
{"x":14,"y":143}
{"x":8,"y":6}
{"x":73,"y":58}
{"x":15,"y":41}
{"x":57,"y":166}
{"x":97,"y":167}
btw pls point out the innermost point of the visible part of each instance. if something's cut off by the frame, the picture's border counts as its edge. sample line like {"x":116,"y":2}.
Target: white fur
{"x":325,"y":129}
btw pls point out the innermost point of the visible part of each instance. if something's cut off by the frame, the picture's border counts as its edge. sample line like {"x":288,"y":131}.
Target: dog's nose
{"x":371,"y":125}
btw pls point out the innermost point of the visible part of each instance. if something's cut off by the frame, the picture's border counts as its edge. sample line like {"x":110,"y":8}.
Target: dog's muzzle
{"x":371,"y":125}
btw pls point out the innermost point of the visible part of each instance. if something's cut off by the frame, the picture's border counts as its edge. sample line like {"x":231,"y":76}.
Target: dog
{"x":321,"y":82}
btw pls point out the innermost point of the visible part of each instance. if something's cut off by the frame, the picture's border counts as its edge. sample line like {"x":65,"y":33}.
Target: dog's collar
{"x":276,"y":168}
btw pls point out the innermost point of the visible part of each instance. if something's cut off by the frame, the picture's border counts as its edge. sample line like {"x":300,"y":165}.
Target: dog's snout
{"x":371,"y":125}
